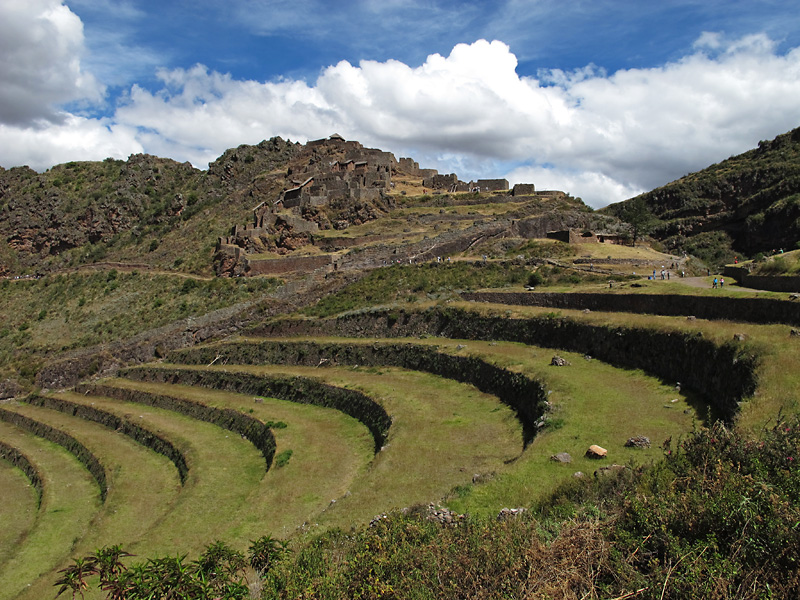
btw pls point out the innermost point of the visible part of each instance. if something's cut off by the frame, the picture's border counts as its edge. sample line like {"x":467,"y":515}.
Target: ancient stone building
{"x":585,"y":236}
{"x":523,"y":189}
{"x":492,"y":185}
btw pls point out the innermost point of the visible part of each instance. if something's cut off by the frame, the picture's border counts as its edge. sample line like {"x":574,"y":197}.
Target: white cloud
{"x":599,"y":136}
{"x":41,"y":42}
{"x":73,"y":138}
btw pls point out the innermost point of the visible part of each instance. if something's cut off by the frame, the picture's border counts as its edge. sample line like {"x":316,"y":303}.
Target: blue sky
{"x":603,"y":99}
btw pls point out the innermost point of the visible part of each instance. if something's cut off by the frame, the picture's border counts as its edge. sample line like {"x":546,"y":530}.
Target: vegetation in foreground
{"x":718,"y":518}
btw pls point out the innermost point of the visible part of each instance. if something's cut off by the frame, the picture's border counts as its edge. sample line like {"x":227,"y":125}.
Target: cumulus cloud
{"x":604,"y":137}
{"x":73,"y":138}
{"x":41,"y":42}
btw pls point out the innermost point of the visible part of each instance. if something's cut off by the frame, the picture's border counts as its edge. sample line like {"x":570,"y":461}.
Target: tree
{"x":636,"y":213}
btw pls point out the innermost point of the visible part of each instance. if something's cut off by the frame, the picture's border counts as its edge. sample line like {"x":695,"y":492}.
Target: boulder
{"x":596,"y":451}
{"x":561,"y":457}
{"x":510,"y":513}
{"x":739,"y":337}
{"x":610,"y":470}
{"x":638,"y":441}
{"x":794,"y":333}
{"x":9,"y":389}
{"x":557,"y":361}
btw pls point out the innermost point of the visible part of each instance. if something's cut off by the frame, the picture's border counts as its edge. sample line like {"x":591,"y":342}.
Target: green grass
{"x":787,"y":263}
{"x":442,"y":434}
{"x":62,"y":312}
{"x":17,"y":510}
{"x":404,"y":282}
{"x":127,"y":514}
{"x":329,"y":449}
{"x":593,"y":402}
{"x":777,"y":374}
{"x":214,"y":488}
{"x":69,"y":502}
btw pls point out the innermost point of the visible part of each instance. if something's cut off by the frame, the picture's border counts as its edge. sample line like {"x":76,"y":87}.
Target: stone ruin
{"x":331,"y":176}
{"x":451,"y":183}
{"x":585,"y":236}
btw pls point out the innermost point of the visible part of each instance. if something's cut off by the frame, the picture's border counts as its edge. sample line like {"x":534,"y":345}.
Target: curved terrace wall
{"x":724,"y":374}
{"x":20,"y":461}
{"x":138,"y":434}
{"x":524,"y":395}
{"x":66,"y":441}
{"x":751,"y":310}
{"x":302,"y":390}
{"x":256,"y":432}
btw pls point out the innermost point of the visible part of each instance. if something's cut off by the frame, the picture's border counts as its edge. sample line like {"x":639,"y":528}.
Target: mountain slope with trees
{"x":744,"y":205}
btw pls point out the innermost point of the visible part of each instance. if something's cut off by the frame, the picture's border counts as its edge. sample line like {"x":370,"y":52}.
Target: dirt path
{"x":707,"y":283}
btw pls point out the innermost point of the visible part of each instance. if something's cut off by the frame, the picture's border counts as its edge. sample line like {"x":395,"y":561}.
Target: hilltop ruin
{"x":333,"y":184}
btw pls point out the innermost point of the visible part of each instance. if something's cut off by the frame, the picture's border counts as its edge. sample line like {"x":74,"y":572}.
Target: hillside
{"x":744,"y":205}
{"x":317,"y":371}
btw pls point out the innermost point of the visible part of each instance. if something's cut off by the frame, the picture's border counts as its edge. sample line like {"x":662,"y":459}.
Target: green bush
{"x":535,"y":279}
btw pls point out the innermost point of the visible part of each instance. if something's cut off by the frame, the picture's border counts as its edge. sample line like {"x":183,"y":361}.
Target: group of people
{"x":718,"y":281}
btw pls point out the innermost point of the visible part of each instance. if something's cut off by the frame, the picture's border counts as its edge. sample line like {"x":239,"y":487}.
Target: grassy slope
{"x":127,"y":513}
{"x":69,"y":502}
{"x":62,"y":312}
{"x":195,"y":517}
{"x":590,"y":402}
{"x":329,"y":451}
{"x":778,"y":377}
{"x":442,"y":433}
{"x":17,"y":510}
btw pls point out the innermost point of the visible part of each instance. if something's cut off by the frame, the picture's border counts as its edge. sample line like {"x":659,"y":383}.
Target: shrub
{"x":535,"y":279}
{"x":282,"y":458}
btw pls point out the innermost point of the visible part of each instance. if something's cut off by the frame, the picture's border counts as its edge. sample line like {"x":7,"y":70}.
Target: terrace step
{"x":128,"y":513}
{"x":442,"y":433}
{"x":69,"y":501}
{"x":21,"y":500}
{"x":223,"y":472}
{"x":329,"y":451}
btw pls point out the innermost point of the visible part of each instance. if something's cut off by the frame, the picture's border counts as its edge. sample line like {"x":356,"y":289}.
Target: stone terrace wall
{"x":277,"y":266}
{"x":750,"y":310}
{"x":524,"y":395}
{"x":723,"y":374}
{"x":763,"y":282}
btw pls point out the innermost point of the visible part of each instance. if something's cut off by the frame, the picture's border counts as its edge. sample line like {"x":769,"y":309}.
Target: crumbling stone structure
{"x":523,"y":189}
{"x":584,"y":236}
{"x":492,"y":185}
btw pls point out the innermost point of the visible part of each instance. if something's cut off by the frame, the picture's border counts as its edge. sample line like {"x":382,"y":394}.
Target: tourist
{"x":721,"y":281}
{"x":714,"y":286}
